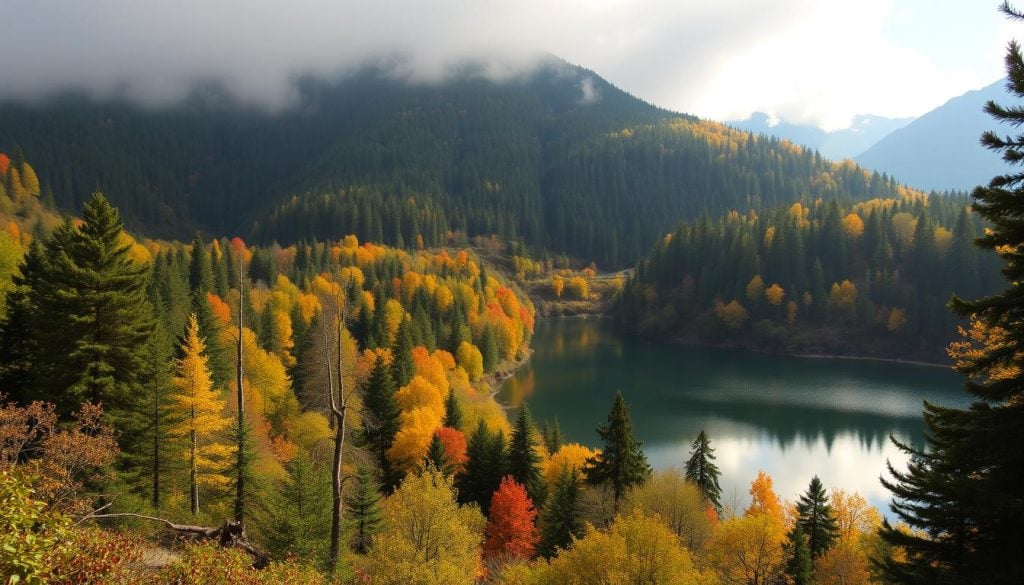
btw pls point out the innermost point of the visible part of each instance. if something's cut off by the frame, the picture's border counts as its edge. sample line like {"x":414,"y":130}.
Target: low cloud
{"x":700,"y":57}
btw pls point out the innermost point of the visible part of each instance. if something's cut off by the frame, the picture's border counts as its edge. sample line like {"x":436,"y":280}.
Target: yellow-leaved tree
{"x":428,"y":538}
{"x":201,"y":419}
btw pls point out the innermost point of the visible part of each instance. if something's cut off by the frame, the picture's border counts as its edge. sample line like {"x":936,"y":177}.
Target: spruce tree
{"x":552,"y":435}
{"x":93,"y":318}
{"x":622,"y":462}
{"x":292,"y":522}
{"x":380,"y":422}
{"x":798,"y":553}
{"x":19,"y":345}
{"x":200,"y":272}
{"x":364,"y":513}
{"x":523,"y":459}
{"x":487,"y":463}
{"x":401,"y":365}
{"x":963,"y":494}
{"x":452,"y":411}
{"x":701,"y":470}
{"x":560,"y":519}
{"x":437,"y":457}
{"x":815,"y":518}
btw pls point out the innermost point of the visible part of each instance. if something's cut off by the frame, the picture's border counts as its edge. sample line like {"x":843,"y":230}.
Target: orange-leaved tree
{"x":511,"y":532}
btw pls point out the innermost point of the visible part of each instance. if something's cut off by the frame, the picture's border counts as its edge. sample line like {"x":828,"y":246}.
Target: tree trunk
{"x":240,"y":446}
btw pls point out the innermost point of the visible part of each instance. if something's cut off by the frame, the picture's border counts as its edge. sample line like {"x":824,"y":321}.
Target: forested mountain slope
{"x":596,"y":174}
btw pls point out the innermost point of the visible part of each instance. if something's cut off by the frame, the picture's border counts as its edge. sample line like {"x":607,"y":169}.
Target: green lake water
{"x":792,"y":417}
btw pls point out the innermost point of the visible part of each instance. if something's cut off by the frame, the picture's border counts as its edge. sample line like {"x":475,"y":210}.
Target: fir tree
{"x":200,"y":272}
{"x":489,"y":349}
{"x":701,"y":470}
{"x":293,"y":521}
{"x":93,"y":318}
{"x":452,"y":411}
{"x":523,"y":459}
{"x":798,"y":553}
{"x":622,"y":462}
{"x":364,"y":511}
{"x":436,"y":457}
{"x":552,"y":436}
{"x":19,"y":347}
{"x":963,"y":494}
{"x":401,"y":366}
{"x":380,"y":423}
{"x":486,"y":465}
{"x":815,"y":518}
{"x":560,"y":519}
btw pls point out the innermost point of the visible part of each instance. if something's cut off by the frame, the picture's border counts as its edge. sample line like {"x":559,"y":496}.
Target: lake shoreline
{"x":739,"y":346}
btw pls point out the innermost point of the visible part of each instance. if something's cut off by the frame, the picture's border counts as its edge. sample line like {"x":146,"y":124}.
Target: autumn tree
{"x":510,"y":532}
{"x":680,"y":504}
{"x":427,"y":537}
{"x":701,"y":470}
{"x":622,"y":462}
{"x":200,"y":409}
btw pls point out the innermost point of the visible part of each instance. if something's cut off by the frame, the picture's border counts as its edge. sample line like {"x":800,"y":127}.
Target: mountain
{"x":940,"y":150}
{"x":864,"y":131}
{"x":557,"y":159}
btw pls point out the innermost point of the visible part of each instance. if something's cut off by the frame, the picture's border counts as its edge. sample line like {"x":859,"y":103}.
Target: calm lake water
{"x":791,"y":417}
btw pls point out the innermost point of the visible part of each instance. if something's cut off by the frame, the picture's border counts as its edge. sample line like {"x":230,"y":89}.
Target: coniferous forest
{"x":317,"y":398}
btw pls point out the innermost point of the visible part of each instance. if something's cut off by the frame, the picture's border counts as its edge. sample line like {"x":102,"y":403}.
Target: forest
{"x":528,"y":160}
{"x":215,"y":412}
{"x":867,"y":277}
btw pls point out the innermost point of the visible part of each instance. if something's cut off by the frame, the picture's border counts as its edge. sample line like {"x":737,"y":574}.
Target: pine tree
{"x":402,"y":366}
{"x":436,"y":457}
{"x":815,"y":518}
{"x":487,"y":464}
{"x":200,"y":409}
{"x":489,"y":349}
{"x":552,"y":436}
{"x":93,"y":318}
{"x":19,"y":345}
{"x":701,"y":470}
{"x":799,"y":566}
{"x":293,"y":521}
{"x":452,"y":411}
{"x":380,"y":423}
{"x":963,"y":494}
{"x":622,"y":462}
{"x":523,"y":459}
{"x":364,"y":511}
{"x":200,"y":272}
{"x":560,"y":520}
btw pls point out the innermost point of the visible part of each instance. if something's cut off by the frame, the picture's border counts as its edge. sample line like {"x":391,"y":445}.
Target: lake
{"x":792,"y":417}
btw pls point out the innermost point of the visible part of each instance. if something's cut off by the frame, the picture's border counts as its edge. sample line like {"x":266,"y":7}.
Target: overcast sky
{"x":806,"y":61}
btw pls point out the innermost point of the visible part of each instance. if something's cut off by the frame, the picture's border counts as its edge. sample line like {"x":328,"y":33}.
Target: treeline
{"x":528,"y":160}
{"x":870,"y":277}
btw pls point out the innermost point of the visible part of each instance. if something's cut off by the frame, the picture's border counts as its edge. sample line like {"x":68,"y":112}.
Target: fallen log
{"x":230,"y":534}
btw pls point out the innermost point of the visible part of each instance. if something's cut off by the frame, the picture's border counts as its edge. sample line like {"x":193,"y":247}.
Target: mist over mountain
{"x":940,"y":150}
{"x":558,"y":159}
{"x":864,"y":131}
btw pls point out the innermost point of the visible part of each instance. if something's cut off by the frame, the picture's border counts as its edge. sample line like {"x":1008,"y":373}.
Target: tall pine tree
{"x":815,"y":518}
{"x":963,"y":493}
{"x":701,"y":470}
{"x":622,"y":463}
{"x":523,"y":459}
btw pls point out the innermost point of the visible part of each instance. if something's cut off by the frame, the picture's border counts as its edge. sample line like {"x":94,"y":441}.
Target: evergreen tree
{"x":552,"y":435}
{"x":93,"y":318}
{"x":560,"y":519}
{"x":523,"y":459}
{"x":292,"y":522}
{"x":798,"y":566}
{"x":489,"y":349}
{"x":486,"y":465}
{"x":815,"y":518}
{"x":622,"y":462}
{"x":200,"y":272}
{"x":19,"y":346}
{"x":380,"y":423}
{"x":402,"y":366}
{"x":437,"y":457}
{"x":701,"y":470}
{"x":364,"y":511}
{"x":452,"y":411}
{"x":963,"y":493}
